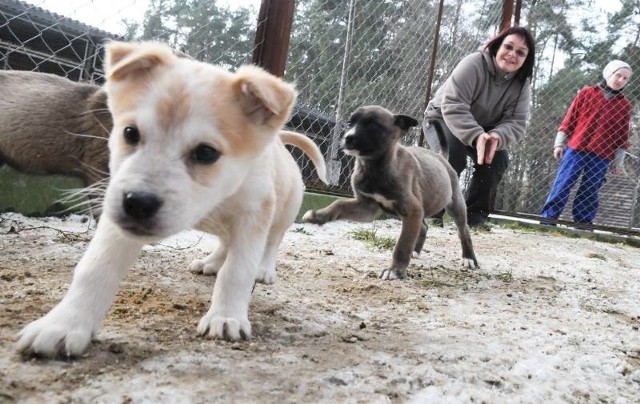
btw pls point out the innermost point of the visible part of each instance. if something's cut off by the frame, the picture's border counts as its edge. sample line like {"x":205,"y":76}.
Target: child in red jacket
{"x":596,"y":132}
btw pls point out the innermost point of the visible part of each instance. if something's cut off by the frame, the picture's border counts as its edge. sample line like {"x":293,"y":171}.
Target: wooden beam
{"x":273,"y":31}
{"x":507,"y":14}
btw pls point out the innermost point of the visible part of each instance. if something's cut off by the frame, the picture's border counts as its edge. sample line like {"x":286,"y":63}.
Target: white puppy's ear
{"x":125,"y":59}
{"x":264,"y":98}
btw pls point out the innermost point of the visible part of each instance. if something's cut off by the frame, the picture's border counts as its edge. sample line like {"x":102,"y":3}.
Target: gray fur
{"x":52,"y":125}
{"x":410,"y":182}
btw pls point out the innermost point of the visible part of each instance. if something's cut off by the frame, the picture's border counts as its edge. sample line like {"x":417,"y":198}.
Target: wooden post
{"x":272,"y":35}
{"x":507,"y":14}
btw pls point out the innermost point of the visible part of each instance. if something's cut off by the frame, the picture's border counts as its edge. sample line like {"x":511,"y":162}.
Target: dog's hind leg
{"x":458,"y":211}
{"x":422,"y":236}
{"x":211,"y":264}
{"x":267,"y":270}
{"x":468,"y":256}
{"x":282,"y":222}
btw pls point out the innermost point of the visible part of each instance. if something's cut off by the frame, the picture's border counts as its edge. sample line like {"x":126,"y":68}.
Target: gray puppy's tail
{"x":434,"y":135}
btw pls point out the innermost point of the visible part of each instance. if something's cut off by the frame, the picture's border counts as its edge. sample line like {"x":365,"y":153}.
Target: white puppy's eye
{"x":131,"y":135}
{"x":205,"y":154}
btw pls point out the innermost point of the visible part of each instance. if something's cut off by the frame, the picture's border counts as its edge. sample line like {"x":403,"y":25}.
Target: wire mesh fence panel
{"x":66,"y":38}
{"x":348,"y":53}
{"x":575,"y":41}
{"x":34,"y":39}
{"x":345,"y":54}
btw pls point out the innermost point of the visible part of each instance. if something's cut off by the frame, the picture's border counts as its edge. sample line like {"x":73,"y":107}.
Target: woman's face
{"x":619,"y":78}
{"x":512,"y":53}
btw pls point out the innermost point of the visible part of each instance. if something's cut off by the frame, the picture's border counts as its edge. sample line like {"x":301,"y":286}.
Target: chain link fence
{"x":347,"y":53}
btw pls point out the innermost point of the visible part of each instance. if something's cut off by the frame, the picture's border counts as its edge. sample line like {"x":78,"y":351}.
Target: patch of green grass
{"x":515,"y":226}
{"x":435,"y":283}
{"x":33,"y":195}
{"x":440,"y":276}
{"x":528,"y":228}
{"x":504,"y":276}
{"x":463,"y":279}
{"x":519,"y":226}
{"x":597,"y":256}
{"x":568,"y":232}
{"x":301,"y":230}
{"x":370,"y":237}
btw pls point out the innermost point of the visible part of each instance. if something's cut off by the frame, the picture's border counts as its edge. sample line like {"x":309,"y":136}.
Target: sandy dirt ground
{"x":546,"y":318}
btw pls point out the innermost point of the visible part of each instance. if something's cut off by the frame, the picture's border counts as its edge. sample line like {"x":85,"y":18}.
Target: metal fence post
{"x":432,"y":66}
{"x":335,"y":166}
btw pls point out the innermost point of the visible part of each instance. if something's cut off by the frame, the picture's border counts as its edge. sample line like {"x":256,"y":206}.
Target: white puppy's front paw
{"x":267,"y":276}
{"x":211,"y":264}
{"x":61,"y":333}
{"x":227,"y":328}
{"x":203,"y":266}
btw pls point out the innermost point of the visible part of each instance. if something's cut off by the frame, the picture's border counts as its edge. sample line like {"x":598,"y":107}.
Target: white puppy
{"x":195,"y":146}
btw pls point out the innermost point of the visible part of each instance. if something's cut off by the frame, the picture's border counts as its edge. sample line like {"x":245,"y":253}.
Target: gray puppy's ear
{"x":404,"y":122}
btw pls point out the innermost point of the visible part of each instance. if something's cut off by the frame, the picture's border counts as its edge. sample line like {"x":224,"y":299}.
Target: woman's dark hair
{"x":526,"y":71}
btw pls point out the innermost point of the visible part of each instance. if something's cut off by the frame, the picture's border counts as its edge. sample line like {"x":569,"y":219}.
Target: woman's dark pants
{"x":482,"y":190}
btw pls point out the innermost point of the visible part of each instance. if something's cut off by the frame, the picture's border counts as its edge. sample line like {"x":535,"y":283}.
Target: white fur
{"x":387,"y":203}
{"x":248,"y":199}
{"x":68,"y":328}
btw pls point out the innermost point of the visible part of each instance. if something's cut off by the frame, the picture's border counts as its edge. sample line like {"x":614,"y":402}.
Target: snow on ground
{"x":546,"y":318}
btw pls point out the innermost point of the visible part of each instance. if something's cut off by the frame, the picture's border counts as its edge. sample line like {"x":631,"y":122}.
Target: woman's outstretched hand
{"x":486,"y":145}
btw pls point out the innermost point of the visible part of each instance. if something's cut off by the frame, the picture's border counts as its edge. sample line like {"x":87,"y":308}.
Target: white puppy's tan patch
{"x":192,"y":146}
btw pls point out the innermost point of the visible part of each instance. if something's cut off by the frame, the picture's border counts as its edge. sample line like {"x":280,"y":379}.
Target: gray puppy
{"x":53,"y":125}
{"x":410,"y":182}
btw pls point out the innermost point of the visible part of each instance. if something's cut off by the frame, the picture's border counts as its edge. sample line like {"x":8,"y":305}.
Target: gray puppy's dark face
{"x":372,"y":130}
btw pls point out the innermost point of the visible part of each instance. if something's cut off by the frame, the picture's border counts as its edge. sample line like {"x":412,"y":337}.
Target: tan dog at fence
{"x":53,"y":125}
{"x":192,"y":146}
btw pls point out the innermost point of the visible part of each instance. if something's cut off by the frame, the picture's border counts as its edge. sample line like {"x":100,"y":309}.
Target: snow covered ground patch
{"x":545,"y":318}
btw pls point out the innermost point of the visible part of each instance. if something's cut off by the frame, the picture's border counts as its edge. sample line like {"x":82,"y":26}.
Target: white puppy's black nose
{"x":141,"y":205}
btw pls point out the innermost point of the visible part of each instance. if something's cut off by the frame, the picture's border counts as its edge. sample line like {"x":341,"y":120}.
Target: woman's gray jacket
{"x":477,"y":97}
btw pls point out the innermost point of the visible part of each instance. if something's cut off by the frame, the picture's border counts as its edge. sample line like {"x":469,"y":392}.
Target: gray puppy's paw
{"x":390,"y":274}
{"x":468,"y":263}
{"x":311,"y":217}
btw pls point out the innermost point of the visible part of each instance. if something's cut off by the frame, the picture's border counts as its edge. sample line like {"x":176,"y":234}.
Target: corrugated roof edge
{"x":41,"y":15}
